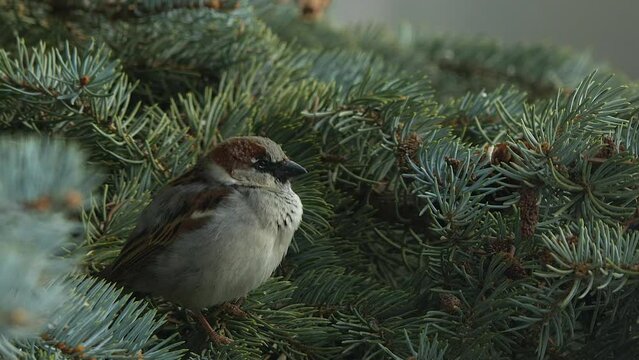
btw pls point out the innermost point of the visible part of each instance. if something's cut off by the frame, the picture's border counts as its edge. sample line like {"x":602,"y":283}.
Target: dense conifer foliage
{"x":465,"y":199}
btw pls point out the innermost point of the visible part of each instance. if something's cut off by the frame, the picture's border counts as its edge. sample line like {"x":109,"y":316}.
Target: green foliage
{"x":34,"y":196}
{"x":427,"y":350}
{"x":466,"y":199}
{"x":44,"y":312}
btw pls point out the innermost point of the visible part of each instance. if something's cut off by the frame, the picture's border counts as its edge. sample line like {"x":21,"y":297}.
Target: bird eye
{"x":261,"y":164}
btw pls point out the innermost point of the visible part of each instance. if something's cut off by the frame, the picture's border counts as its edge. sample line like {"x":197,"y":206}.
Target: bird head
{"x":252,"y":161}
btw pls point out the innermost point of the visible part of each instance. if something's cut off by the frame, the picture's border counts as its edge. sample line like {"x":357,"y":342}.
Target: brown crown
{"x":236,"y":153}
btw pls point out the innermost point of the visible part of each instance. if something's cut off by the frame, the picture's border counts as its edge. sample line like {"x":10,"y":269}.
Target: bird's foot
{"x":234,"y":309}
{"x":215,"y":337}
{"x":219,"y":339}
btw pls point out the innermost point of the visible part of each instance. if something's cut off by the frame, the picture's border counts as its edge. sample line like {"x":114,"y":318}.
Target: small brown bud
{"x":450,"y":303}
{"x":18,"y":317}
{"x":407,"y":148}
{"x":84,"y":80}
{"x":608,"y":149}
{"x":214,"y":4}
{"x":500,"y":154}
{"x":42,"y":203}
{"x":573,"y":240}
{"x":380,"y":187}
{"x":79,"y":349}
{"x":500,"y":245}
{"x":581,"y":270}
{"x":313,"y":9}
{"x":515,"y":271}
{"x":454,"y":163}
{"x":73,"y":199}
{"x":545,"y":256}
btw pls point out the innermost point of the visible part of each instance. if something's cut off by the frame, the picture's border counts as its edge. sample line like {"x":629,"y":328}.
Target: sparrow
{"x":216,"y":232}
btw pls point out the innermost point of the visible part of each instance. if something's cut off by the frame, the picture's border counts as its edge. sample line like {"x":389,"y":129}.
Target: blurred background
{"x":606,"y":29}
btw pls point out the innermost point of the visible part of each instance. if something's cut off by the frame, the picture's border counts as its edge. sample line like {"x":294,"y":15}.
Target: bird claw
{"x":219,"y":339}
{"x":234,"y":310}
{"x":215,"y":337}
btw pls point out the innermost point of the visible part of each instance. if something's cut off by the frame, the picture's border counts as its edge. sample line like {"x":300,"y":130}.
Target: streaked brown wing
{"x":151,"y":236}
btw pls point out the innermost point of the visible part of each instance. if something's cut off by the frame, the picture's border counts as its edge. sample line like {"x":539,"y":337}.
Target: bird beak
{"x":288,"y":169}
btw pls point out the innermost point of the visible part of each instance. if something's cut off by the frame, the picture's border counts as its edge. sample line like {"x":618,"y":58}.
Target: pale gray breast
{"x":279,"y":211}
{"x":238,"y":250}
{"x":280,"y":214}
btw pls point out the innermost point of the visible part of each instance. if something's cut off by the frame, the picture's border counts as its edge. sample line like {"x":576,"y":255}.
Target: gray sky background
{"x":608,"y":29}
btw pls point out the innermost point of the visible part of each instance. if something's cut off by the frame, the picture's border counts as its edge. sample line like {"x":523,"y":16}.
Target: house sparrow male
{"x":216,"y":232}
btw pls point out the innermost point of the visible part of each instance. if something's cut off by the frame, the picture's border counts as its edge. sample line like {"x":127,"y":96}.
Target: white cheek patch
{"x":219,"y":174}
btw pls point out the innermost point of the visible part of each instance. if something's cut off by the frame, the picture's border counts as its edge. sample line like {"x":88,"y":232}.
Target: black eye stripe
{"x":263,"y":165}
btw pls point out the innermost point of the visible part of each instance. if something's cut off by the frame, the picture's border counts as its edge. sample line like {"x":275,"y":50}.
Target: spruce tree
{"x":465,"y":199}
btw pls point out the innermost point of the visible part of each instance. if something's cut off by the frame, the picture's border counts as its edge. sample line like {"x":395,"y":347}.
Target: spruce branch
{"x":100,"y":322}
{"x":123,"y":9}
{"x":45,"y":182}
{"x":427,"y":350}
{"x":480,"y":211}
